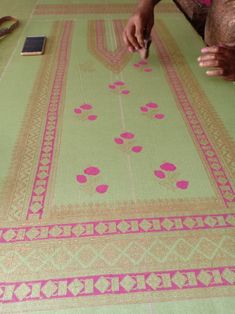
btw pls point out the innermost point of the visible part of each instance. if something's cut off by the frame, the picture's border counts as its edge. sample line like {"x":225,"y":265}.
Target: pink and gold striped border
{"x":116,"y":284}
{"x":225,"y":189}
{"x":116,"y":227}
{"x":40,"y":185}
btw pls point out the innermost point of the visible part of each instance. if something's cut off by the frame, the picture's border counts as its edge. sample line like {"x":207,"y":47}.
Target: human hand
{"x":139,"y":28}
{"x":221,"y":59}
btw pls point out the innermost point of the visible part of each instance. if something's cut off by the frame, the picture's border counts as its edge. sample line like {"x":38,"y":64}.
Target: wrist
{"x":147,"y":4}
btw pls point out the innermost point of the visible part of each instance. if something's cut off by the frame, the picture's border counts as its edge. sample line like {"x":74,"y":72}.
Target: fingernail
{"x":204,"y":49}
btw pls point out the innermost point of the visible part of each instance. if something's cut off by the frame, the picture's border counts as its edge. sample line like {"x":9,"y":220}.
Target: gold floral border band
{"x":117,"y":284}
{"x":185,"y":93}
{"x":114,"y":8}
{"x":43,"y":109}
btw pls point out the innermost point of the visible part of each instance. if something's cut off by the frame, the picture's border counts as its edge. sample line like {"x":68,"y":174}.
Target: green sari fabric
{"x":117,"y":175}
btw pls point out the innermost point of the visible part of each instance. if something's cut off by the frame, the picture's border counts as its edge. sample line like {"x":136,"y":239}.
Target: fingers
{"x":140,"y":35}
{"x":225,"y":51}
{"x":221,"y":73}
{"x":217,"y":72}
{"x":219,"y":59}
{"x":138,"y":29}
{"x":130,"y":38}
{"x":129,"y":45}
{"x":211,"y":62}
{"x":212,"y":49}
{"x":211,"y":57}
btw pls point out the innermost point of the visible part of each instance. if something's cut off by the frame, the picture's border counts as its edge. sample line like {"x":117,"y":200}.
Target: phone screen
{"x":34,"y":45}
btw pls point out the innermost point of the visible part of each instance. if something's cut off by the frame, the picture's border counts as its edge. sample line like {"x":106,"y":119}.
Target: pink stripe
{"x":116,"y":227}
{"x":40,"y":185}
{"x":111,"y":284}
{"x":209,"y":153}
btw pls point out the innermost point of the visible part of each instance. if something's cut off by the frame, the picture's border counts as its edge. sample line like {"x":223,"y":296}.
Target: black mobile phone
{"x":34,"y":45}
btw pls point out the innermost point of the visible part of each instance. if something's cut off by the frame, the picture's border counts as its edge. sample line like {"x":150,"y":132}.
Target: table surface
{"x":117,"y":175}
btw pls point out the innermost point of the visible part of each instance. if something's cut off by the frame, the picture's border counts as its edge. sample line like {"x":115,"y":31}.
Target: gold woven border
{"x":212,"y":124}
{"x":114,"y":61}
{"x":24,"y":157}
{"x":150,"y":208}
{"x":73,"y":9}
{"x":125,"y":253}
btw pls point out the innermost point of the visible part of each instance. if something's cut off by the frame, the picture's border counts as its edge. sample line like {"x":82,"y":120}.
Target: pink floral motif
{"x":84,"y":112}
{"x":86,"y":107}
{"x":168,"y":166}
{"x":81,"y":179}
{"x":137,"y":149}
{"x":159,"y":116}
{"x":119,"y":141}
{"x":160,"y":174}
{"x":102,"y":188}
{"x":126,"y":142}
{"x":141,"y":66}
{"x":152,"y":105}
{"x":92,"y":171}
{"x":183,"y":184}
{"x":90,"y":183}
{"x":77,"y":110}
{"x":127,"y":135}
{"x":143,"y":62}
{"x":119,"y":87}
{"x":119,"y":83}
{"x":151,"y":111}
{"x":92,"y":117}
{"x":144,"y":109}
{"x":125,"y":92}
{"x":168,"y":176}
